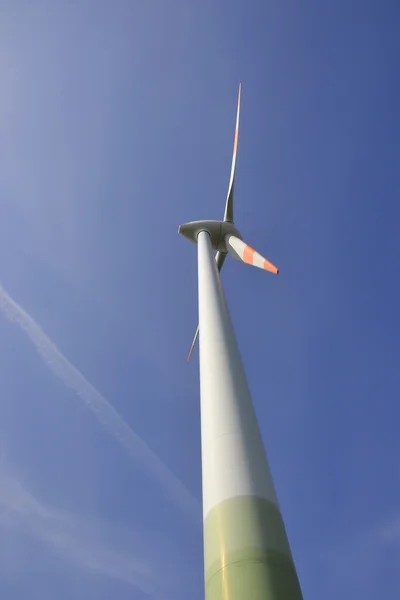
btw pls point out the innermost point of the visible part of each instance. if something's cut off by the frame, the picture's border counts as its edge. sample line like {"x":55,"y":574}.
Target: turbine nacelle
{"x":217,"y":230}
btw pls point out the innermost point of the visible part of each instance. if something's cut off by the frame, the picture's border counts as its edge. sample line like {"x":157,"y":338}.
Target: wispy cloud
{"x":86,"y":543}
{"x":136,"y":447}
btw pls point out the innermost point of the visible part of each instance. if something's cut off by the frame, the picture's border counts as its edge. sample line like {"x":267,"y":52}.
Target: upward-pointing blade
{"x":239,"y":250}
{"x":228,"y":216}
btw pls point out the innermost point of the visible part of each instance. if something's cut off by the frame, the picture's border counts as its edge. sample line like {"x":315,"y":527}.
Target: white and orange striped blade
{"x":241,"y":251}
{"x":228,"y":216}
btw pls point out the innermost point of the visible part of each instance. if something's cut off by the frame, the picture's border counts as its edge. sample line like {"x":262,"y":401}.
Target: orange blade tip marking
{"x":268,"y":266}
{"x":190,"y":353}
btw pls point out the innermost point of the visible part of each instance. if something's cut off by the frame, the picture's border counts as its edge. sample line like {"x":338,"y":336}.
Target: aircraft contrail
{"x":136,"y":447}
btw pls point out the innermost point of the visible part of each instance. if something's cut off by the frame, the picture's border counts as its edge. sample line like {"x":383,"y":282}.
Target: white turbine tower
{"x":246,"y":550}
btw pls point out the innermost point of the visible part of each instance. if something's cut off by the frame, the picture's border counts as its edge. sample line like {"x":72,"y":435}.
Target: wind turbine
{"x":246,"y":550}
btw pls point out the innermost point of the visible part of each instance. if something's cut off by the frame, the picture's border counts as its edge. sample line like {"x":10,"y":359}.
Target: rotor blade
{"x":241,"y":251}
{"x":228,"y":216}
{"x":219,"y":259}
{"x":196,"y":335}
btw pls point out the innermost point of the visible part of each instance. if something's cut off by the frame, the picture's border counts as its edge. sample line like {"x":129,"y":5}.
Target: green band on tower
{"x":247,"y":554}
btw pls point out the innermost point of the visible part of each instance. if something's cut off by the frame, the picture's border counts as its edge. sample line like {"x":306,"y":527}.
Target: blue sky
{"x":116,"y":125}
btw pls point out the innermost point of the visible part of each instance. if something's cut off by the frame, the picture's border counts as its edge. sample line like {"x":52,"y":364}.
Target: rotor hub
{"x":217,"y":230}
